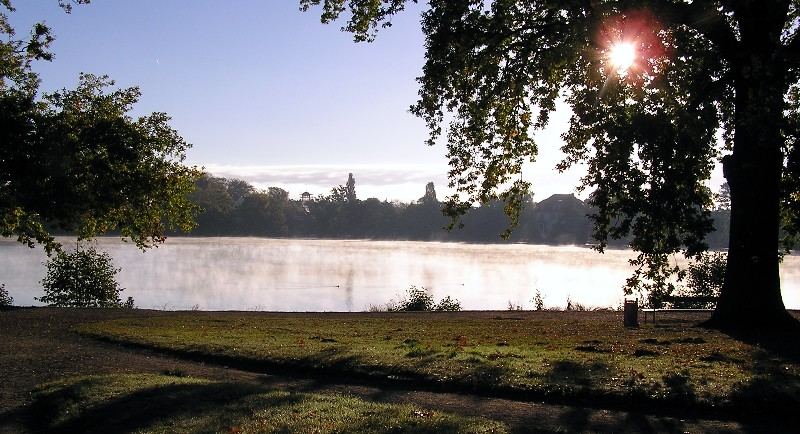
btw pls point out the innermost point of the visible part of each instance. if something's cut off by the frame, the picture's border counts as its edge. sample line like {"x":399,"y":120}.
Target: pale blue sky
{"x":267,"y":93}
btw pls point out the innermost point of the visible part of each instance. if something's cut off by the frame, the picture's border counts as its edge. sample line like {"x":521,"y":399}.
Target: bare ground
{"x":37,"y":346}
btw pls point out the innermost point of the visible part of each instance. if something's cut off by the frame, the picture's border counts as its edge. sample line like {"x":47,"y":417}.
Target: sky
{"x":267,"y":94}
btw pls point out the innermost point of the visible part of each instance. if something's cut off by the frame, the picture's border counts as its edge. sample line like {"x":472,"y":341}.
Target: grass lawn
{"x":581,"y":357}
{"x":147,"y":403}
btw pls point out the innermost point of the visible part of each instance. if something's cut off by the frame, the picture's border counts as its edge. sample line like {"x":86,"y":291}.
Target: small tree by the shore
{"x":420,"y":300}
{"x":705,"y":278}
{"x":5,"y":299}
{"x":83,"y":278}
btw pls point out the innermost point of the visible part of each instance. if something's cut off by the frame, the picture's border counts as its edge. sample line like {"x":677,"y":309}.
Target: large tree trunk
{"x":751,"y":295}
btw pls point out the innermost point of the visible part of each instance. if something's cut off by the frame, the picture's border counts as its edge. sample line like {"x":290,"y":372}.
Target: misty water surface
{"x":337,"y":275}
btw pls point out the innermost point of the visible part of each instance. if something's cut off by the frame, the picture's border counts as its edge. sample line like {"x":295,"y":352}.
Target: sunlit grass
{"x":584,"y":354}
{"x":168,"y":404}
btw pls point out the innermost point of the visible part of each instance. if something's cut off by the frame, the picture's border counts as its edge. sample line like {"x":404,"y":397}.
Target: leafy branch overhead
{"x":77,"y":161}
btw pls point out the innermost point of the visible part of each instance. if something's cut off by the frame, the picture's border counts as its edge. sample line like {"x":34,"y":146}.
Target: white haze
{"x":347,"y":275}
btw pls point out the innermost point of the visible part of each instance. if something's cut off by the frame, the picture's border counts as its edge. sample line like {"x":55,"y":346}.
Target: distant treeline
{"x":232,"y":207}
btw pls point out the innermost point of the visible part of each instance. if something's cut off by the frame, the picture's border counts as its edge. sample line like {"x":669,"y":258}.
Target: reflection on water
{"x":336,"y":275}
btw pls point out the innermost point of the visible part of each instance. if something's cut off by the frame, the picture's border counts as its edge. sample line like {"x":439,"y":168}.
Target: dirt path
{"x":36,"y":346}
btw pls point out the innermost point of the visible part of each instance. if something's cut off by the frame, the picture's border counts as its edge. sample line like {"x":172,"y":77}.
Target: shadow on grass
{"x":785,"y":345}
{"x":567,"y":382}
{"x":570,"y":373}
{"x":126,"y":404}
{"x":773,"y":388}
{"x":140,"y":409}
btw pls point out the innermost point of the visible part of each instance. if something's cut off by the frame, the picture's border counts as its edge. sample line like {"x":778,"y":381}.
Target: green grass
{"x":579,"y":357}
{"x":167,"y":404}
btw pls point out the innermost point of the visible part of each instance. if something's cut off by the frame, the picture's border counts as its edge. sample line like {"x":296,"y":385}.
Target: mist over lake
{"x":349,"y":275}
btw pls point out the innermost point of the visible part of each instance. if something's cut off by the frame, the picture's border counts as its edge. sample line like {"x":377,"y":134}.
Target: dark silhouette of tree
{"x":430,"y":195}
{"x":350,"y":189}
{"x":559,"y":219}
{"x":646,"y":126}
{"x":75,"y":160}
{"x":5,"y":298}
{"x":723,"y":198}
{"x":238,"y":189}
{"x":264,"y":213}
{"x":216,"y":205}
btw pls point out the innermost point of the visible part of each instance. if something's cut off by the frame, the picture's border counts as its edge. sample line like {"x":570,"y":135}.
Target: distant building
{"x":305,"y":197}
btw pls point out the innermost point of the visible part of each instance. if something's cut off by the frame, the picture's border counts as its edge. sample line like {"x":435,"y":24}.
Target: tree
{"x":350,"y":189}
{"x":430,"y":195}
{"x":83,"y":278}
{"x":704,"y":278}
{"x":76,"y":160}
{"x":344,"y":193}
{"x":723,"y":198}
{"x":651,"y":84}
{"x":5,"y":298}
{"x":239,"y":189}
{"x":212,"y":196}
{"x":264,"y":213}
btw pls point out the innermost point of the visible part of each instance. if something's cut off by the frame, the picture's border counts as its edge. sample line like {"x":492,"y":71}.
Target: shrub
{"x":83,"y":278}
{"x":448,"y":304}
{"x":5,"y":299}
{"x":572,"y":306}
{"x":538,"y":301}
{"x":511,"y":306}
{"x":704,"y":279}
{"x":419,"y":300}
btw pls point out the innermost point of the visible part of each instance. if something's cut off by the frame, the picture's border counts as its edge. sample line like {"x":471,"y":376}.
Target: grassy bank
{"x":583,"y":357}
{"x":169,"y":404}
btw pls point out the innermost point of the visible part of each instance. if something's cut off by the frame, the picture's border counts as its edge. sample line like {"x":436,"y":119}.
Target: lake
{"x":349,"y":275}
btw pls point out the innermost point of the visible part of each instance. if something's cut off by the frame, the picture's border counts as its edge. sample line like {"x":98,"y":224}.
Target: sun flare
{"x":622,"y":56}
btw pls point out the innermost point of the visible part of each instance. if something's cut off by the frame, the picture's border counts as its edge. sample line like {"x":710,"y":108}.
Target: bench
{"x":681,"y":300}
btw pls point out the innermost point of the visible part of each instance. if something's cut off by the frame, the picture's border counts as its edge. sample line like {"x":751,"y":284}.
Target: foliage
{"x":538,"y":301}
{"x":77,"y":161}
{"x":723,"y":197}
{"x":430,"y":195}
{"x":416,"y":299}
{"x":704,"y":278}
{"x":574,"y":306}
{"x":83,"y":278}
{"x":147,"y":403}
{"x":420,"y":300}
{"x":654,"y":276}
{"x":5,"y":298}
{"x":233,"y":207}
{"x":511,"y":306}
{"x":448,"y":304}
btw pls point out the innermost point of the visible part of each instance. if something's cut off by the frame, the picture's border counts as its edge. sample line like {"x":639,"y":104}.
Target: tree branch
{"x":791,"y":50}
{"x":708,"y":21}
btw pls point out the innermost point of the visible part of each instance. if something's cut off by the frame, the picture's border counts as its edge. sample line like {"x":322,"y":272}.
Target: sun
{"x":622,"y":56}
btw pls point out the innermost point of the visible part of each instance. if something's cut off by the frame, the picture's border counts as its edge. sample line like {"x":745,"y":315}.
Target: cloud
{"x":331,"y":175}
{"x":404,"y":182}
{"x":385,"y":181}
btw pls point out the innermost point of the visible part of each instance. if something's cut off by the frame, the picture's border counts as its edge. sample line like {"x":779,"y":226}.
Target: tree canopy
{"x":76,"y":160}
{"x":697,"y":82}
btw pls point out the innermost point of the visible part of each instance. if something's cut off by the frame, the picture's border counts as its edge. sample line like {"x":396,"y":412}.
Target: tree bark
{"x":751,"y":295}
